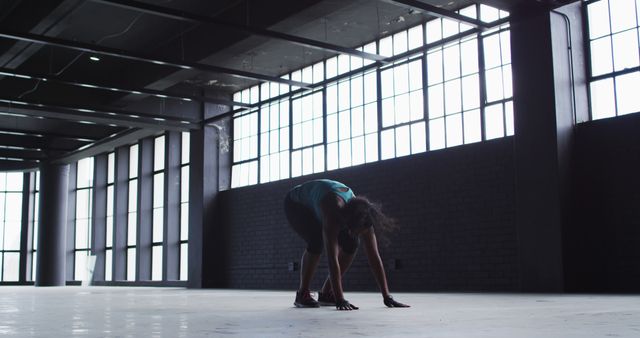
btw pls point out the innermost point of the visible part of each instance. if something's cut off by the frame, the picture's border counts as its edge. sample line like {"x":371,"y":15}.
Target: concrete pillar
{"x":52,"y":232}
{"x":544,"y":115}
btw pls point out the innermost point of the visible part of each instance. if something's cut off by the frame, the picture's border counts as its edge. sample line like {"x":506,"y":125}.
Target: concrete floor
{"x":171,"y":312}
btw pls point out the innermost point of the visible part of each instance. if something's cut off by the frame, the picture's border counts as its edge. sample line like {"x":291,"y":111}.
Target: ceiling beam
{"x":201,"y":19}
{"x":129,"y":90}
{"x":105,"y":145}
{"x":91,"y":48}
{"x":97,"y":116}
{"x":23,"y":154}
{"x":37,"y":143}
{"x":440,"y":12}
{"x":47,"y":135}
{"x":17,"y":165}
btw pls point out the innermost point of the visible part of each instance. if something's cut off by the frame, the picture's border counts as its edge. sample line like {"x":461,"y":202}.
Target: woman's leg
{"x":308,"y":265}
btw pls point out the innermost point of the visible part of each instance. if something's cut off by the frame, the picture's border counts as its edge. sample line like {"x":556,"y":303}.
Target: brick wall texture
{"x":456,"y":214}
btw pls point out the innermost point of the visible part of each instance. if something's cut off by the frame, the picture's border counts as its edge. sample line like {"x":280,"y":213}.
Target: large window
{"x":108,"y":265}
{"x":613,"y":27}
{"x":184,"y":207}
{"x":10,"y":225}
{"x":34,"y":239}
{"x":132,"y":219}
{"x":84,"y":196}
{"x":158,"y":208}
{"x":444,"y":84}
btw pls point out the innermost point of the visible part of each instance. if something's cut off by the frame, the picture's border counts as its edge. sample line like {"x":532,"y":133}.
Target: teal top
{"x":311,"y":193}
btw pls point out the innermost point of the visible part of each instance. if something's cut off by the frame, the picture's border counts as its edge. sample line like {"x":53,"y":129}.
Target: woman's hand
{"x":344,"y":304}
{"x":390,"y":302}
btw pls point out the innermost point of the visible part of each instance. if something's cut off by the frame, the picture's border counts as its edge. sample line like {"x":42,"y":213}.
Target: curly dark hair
{"x":360,"y":212}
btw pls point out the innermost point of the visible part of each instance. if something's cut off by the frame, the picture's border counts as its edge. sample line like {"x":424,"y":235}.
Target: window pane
{"x":184,"y":184}
{"x":387,"y":142}
{"x":494,"y":122}
{"x":158,"y":224}
{"x":13,"y":207}
{"x":110,"y":167}
{"x":85,"y":172}
{"x":434,"y":67}
{"x":184,"y":261}
{"x":452,"y":94}
{"x":318,"y":159}
{"x":82,"y":234}
{"x":417,"y":105}
{"x":158,"y":154}
{"x":370,"y":87}
{"x":472,"y":126}
{"x":358,"y":151}
{"x":436,"y":134}
{"x":415,"y":37}
{"x":184,"y":221}
{"x":345,"y":153}
{"x":296,"y":163}
{"x":81,"y":265}
{"x":434,"y":30}
{"x":11,"y":235}
{"x":83,"y":203}
{"x":469,"y":56}
{"x":508,"y":115}
{"x":371,"y":144}
{"x":131,"y":264}
{"x":403,"y":141}
{"x":133,"y":161}
{"x":418,"y":138}
{"x":598,"y":19}
{"x":454,"y":130}
{"x":492,"y":50}
{"x":451,"y":57}
{"x":131,"y":229}
{"x":602,"y":99}
{"x":332,"y":157}
{"x":601,"y":62}
{"x":436,"y":101}
{"x":470,"y":92}
{"x":494,"y":85}
{"x":625,"y":50}
{"x":11,"y":267}
{"x":133,"y":195}
{"x":108,"y":265}
{"x":627,"y":93}
{"x":156,"y":263}
{"x":109,"y":232}
{"x":623,"y":14}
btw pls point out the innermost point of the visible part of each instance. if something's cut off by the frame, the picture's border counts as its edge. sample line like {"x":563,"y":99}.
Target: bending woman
{"x":327,"y":214}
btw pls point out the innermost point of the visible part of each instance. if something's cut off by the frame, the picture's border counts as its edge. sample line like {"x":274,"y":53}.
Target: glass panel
{"x":598,"y":19}
{"x":434,"y":67}
{"x":184,"y":261}
{"x":358,"y":151}
{"x":469,"y":56}
{"x":371,"y":142}
{"x":436,"y":101}
{"x":623,"y":14}
{"x":625,"y":50}
{"x":156,"y":263}
{"x":418,"y":138}
{"x":454,"y":130}
{"x":472,"y":126}
{"x":133,"y":161}
{"x":492,"y":51}
{"x":184,"y":221}
{"x":494,"y":122}
{"x":158,"y":225}
{"x":110,"y":167}
{"x":318,"y":159}
{"x":602,"y":99}
{"x":133,"y":195}
{"x":184,"y":184}
{"x":434,"y":30}
{"x":158,"y":154}
{"x":132,"y":229}
{"x":387,"y":142}
{"x":131,"y":264}
{"x":81,"y":265}
{"x":307,"y":161}
{"x":11,"y":235}
{"x":415,"y":37}
{"x":436,"y":134}
{"x":470,"y":92}
{"x":415,"y":75}
{"x":370,"y":87}
{"x":357,"y":121}
{"x":14,"y":182}
{"x":345,"y":153}
{"x":83,"y":203}
{"x":11,"y":267}
{"x":109,"y":232}
{"x":296,"y":163}
{"x":508,"y":115}
{"x":627,"y":93}
{"x":332,"y":157}
{"x":400,"y":42}
{"x":108,"y":265}
{"x":13,"y":207}
{"x":82,"y":234}
{"x":494,"y":85}
{"x":451,"y":57}
{"x":403,"y":141}
{"x":85,"y":173}
{"x":601,"y":62}
{"x":452,"y":96}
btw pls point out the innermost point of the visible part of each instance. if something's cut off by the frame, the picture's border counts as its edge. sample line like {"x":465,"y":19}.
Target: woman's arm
{"x":375,"y":262}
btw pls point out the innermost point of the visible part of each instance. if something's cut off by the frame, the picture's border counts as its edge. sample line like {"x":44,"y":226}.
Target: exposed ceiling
{"x":159,"y":60}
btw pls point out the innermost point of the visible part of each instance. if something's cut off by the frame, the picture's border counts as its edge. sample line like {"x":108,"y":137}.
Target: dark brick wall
{"x":455,"y":208}
{"x":602,"y":243}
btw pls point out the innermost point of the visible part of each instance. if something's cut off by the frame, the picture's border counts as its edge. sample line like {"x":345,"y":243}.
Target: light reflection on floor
{"x":26,"y":311}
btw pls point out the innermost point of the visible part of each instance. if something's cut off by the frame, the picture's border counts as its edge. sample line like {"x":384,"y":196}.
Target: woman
{"x":327,"y":213}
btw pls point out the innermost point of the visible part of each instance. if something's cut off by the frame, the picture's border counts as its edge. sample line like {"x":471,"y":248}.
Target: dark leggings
{"x":303,"y":221}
